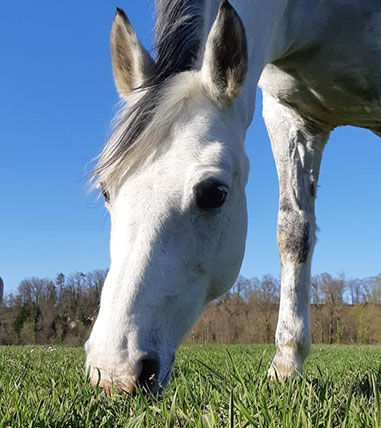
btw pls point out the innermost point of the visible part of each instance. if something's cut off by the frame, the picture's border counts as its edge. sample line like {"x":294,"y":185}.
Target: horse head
{"x":173,"y":175}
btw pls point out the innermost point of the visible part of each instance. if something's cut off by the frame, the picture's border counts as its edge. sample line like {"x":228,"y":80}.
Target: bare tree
{"x":264,"y":300}
{"x":332,"y":293}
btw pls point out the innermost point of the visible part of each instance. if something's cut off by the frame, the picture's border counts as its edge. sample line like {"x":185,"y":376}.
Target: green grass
{"x":212,"y":386}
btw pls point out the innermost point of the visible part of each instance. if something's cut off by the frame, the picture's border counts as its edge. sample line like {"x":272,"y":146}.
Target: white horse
{"x":174,"y":170}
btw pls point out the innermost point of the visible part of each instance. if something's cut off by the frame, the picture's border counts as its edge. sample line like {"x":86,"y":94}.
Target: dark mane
{"x":179,"y":35}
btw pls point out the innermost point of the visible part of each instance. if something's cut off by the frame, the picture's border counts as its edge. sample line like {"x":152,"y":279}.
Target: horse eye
{"x":105,"y":194}
{"x":210,"y":195}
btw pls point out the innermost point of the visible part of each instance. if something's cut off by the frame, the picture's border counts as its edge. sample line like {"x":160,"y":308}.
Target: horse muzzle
{"x":147,"y":374}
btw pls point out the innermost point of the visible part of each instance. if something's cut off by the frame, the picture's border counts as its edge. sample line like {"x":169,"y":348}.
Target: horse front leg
{"x":297,"y":147}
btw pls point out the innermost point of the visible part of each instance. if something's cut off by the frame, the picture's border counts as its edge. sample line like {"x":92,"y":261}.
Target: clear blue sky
{"x":57,"y":98}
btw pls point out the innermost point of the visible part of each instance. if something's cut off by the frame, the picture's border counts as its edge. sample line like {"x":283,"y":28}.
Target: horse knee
{"x":295,"y":236}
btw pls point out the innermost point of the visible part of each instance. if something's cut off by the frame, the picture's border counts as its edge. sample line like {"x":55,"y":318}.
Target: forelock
{"x":179,"y":36}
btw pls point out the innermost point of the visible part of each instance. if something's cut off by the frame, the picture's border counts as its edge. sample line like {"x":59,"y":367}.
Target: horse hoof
{"x":283,"y":372}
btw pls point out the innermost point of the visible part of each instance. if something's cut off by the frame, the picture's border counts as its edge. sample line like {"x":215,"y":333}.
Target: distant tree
{"x":60,"y":284}
{"x":355,"y":290}
{"x":264,"y":300}
{"x":331,"y":291}
{"x":1,"y":289}
{"x":376,"y":289}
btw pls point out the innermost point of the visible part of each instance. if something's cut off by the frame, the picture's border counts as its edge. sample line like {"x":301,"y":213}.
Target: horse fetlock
{"x":288,"y":360}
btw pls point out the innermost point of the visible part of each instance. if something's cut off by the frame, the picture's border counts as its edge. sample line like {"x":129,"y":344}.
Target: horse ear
{"x":131,"y":63}
{"x":225,"y":61}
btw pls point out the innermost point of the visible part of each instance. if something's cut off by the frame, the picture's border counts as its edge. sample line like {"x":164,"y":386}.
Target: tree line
{"x":47,"y":311}
{"x":63,"y":310}
{"x":342,"y":311}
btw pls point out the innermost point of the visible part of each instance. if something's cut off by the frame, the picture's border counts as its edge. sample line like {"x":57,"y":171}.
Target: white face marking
{"x":169,"y":256}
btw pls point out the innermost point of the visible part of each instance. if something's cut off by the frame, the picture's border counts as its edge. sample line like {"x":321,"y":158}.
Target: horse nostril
{"x":149,"y":373}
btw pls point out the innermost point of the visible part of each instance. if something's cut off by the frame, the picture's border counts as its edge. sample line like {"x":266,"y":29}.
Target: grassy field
{"x":212,"y":386}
